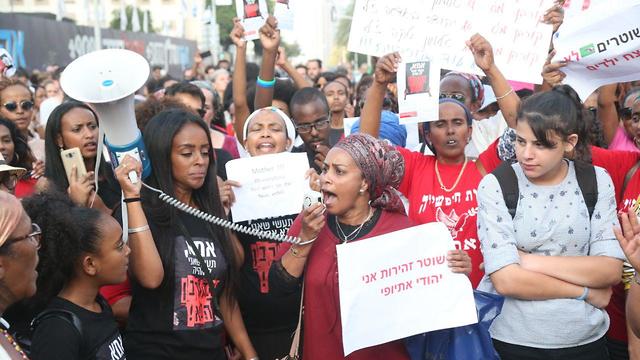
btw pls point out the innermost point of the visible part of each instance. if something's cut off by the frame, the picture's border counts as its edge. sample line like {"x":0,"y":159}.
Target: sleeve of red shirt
{"x":489,"y":158}
{"x":617,"y":163}
{"x":113,"y":293}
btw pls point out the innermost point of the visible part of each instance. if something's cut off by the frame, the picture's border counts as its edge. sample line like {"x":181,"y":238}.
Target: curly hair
{"x":146,"y":110}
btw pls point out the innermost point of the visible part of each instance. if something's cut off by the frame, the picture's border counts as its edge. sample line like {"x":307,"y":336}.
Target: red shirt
{"x":457,"y":209}
{"x":25,"y":187}
{"x":618,"y":164}
{"x":322,"y":325}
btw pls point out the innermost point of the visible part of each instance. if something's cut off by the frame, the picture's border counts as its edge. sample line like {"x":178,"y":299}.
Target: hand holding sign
{"x":386,"y":68}
{"x":237,"y":34}
{"x":482,"y":52}
{"x":270,"y":35}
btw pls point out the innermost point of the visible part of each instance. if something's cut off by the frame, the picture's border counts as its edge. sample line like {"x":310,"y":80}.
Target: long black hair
{"x":54,"y":171}
{"x":158,"y":138}
{"x":559,"y":112}
{"x":68,"y":231}
{"x":22,"y":156}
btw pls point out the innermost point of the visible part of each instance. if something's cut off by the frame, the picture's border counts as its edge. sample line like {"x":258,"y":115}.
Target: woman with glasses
{"x":75,"y":125}
{"x":617,"y":123}
{"x":16,"y":104}
{"x":19,"y":242}
{"x":82,"y":251}
{"x":16,"y":153}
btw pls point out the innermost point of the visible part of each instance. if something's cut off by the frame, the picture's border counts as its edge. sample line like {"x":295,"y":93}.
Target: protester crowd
{"x":538,"y":189}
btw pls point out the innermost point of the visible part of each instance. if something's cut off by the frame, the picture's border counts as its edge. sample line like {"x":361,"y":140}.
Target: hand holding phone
{"x":73,"y":158}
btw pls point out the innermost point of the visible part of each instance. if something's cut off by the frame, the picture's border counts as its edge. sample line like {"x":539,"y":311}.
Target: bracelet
{"x":295,"y":253}
{"x":138,"y":229}
{"x":584,"y":295}
{"x":505,"y":95}
{"x":255,"y":358}
{"x":130,"y":200}
{"x":266,"y":84}
{"x":301,"y":243}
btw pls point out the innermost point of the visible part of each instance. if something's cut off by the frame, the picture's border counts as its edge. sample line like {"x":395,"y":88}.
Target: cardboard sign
{"x":397,"y":285}
{"x":253,"y":14}
{"x":271,"y":185}
{"x":600,"y":47}
{"x":418,"y":28}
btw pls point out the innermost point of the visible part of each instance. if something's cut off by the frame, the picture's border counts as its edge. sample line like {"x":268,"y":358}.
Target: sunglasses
{"x":34,"y":237}
{"x":12,"y":106}
{"x":454,"y":96}
{"x":318,"y":125}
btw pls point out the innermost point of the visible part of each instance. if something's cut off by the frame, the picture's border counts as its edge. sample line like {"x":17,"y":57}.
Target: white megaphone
{"x":108,"y":79}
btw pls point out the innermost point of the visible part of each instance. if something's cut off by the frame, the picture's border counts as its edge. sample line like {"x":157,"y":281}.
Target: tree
{"x":115,"y":18}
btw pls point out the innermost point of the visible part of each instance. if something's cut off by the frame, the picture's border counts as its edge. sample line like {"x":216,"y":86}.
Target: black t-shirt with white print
{"x":183,"y":325}
{"x":261,"y":310}
{"x":56,"y":338}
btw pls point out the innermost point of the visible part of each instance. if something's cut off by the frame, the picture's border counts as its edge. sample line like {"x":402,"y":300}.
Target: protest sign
{"x":418,"y":90}
{"x":253,"y":14}
{"x":417,"y":28}
{"x":397,"y":285}
{"x":271,"y":185}
{"x":601,"y":48}
{"x":348,"y":124}
{"x":284,"y":13}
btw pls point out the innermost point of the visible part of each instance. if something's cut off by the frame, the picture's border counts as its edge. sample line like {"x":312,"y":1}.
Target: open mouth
{"x":266,"y":147}
{"x":451,"y":142}
{"x":328,"y":197}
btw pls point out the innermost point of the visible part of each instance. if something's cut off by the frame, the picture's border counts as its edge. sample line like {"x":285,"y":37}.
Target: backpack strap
{"x":586,"y":175}
{"x":66,"y":315}
{"x":509,"y":184}
{"x":628,"y":177}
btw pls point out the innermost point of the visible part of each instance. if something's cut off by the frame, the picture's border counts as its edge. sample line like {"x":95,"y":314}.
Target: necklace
{"x":354,"y":233}
{"x":13,"y":343}
{"x":464,"y":165}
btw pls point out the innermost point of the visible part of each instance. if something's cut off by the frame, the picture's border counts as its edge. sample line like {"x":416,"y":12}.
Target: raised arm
{"x":386,"y":67}
{"x":284,"y":64}
{"x":239,"y":79}
{"x":508,"y":100}
{"x":270,"y":40}
{"x":144,"y":260}
{"x":607,"y":112}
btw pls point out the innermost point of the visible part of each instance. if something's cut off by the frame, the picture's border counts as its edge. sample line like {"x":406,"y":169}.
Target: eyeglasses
{"x":454,"y":96}
{"x":8,"y":180}
{"x":12,"y":106}
{"x":34,"y":237}
{"x":318,"y":125}
{"x":625,"y":113}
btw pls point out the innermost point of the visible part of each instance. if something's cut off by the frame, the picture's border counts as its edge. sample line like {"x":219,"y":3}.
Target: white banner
{"x":418,"y":90}
{"x":600,"y":48}
{"x":253,"y":14}
{"x":416,"y":28}
{"x":397,"y":285}
{"x":271,"y":185}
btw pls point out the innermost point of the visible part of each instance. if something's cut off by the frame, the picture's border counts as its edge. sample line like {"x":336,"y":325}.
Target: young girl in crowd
{"x":554,"y":265}
{"x":82,"y":251}
{"x":75,"y":125}
{"x":188,"y":263}
{"x":16,"y":104}
{"x":16,"y":153}
{"x":443,"y":187}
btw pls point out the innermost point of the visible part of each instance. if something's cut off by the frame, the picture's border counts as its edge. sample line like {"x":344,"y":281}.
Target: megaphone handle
{"x":133,"y":176}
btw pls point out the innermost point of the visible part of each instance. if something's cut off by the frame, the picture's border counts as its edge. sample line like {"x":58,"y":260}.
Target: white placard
{"x":271,"y":185}
{"x":347,"y":124}
{"x":398,"y":285}
{"x":284,"y":13}
{"x":601,"y":48}
{"x":253,"y":14}
{"x":417,"y":28}
{"x":418,"y":90}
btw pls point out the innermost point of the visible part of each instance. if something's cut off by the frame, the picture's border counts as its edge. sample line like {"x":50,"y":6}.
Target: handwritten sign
{"x":253,"y":14}
{"x":417,"y":28}
{"x":601,"y":48}
{"x":397,"y":285}
{"x":271,"y":185}
{"x":418,"y":90}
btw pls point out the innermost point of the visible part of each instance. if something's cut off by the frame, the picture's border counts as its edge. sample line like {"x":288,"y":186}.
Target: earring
{"x":361,"y":191}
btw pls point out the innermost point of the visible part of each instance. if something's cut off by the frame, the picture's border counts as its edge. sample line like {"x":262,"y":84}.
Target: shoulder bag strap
{"x":509,"y":184}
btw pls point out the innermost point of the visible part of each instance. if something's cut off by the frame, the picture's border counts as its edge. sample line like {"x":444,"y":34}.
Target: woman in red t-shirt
{"x":443,"y":187}
{"x":16,"y":153}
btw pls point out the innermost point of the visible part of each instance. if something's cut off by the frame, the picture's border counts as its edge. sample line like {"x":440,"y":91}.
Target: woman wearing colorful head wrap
{"x":442,"y":187}
{"x":359,"y":184}
{"x":19,"y":243}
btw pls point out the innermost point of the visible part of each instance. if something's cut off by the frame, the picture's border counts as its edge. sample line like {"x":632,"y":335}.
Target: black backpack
{"x":585,"y":173}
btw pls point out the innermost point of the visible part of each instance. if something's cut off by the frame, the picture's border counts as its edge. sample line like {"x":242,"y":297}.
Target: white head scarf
{"x":291,"y":129}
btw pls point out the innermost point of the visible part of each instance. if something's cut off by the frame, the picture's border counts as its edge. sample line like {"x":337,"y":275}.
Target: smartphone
{"x":70,"y":158}
{"x":205,"y":54}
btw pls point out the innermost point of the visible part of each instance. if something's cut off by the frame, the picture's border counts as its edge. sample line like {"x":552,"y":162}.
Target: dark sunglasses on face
{"x":12,"y":106}
{"x":318,"y":125}
{"x":454,"y":96}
